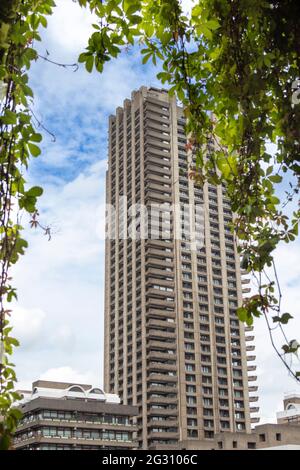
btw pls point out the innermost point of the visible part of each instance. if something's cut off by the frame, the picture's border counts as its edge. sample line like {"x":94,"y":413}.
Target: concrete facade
{"x":291,"y":411}
{"x":173,"y":344}
{"x":68,"y":416}
{"x":262,"y":437}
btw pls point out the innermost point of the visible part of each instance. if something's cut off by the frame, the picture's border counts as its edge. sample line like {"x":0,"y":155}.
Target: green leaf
{"x":284,"y":319}
{"x":275,"y":178}
{"x":43,"y":21}
{"x":36,"y":137}
{"x":34,"y":149}
{"x":146,"y":58}
{"x":135,"y":19}
{"x":4,"y":441}
{"x":132,"y":9}
{"x":35,"y":191}
{"x":82,"y":58}
{"x":89,"y":63}
{"x":9,"y":117}
{"x":212,"y":24}
{"x":242,"y":314}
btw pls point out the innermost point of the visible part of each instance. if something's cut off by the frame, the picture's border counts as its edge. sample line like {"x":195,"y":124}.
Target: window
{"x":278,"y":436}
{"x":191,"y":410}
{"x":190,"y":378}
{"x":192,"y":422}
{"x":262,"y":438}
{"x":191,"y":400}
{"x":225,"y":425}
{"x":207,"y":402}
{"x":234,"y":444}
{"x":192,"y":433}
{"x":251,"y":445}
{"x":75,"y":389}
{"x":208,"y":423}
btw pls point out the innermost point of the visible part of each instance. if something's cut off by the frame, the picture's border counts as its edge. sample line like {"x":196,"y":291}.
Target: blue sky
{"x":59,"y":316}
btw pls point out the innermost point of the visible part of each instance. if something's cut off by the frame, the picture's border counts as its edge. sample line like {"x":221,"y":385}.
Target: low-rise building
{"x":285,"y":435}
{"x":262,"y":437}
{"x":68,"y":416}
{"x":291,"y":412}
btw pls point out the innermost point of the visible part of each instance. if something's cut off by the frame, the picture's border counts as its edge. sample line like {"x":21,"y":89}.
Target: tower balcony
{"x":251,"y":358}
{"x":157,"y":367}
{"x":160,"y":335}
{"x":246,"y":290}
{"x":162,"y":412}
{"x":163,"y":345}
{"x":160,"y":355}
{"x":249,"y":328}
{"x":255,"y":420}
{"x":163,"y":400}
{"x":252,"y":378}
{"x":160,"y":313}
{"x":160,"y":302}
{"x":168,"y":423}
{"x":167,"y":379}
{"x":163,"y":435}
{"x":249,"y":338}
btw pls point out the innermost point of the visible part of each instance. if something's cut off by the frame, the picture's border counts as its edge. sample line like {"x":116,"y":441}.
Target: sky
{"x":59,"y":314}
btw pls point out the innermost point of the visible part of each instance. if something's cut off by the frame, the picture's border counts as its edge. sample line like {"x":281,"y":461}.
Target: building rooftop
{"x":291,"y":412}
{"x":64,"y":390}
{"x":291,"y":395}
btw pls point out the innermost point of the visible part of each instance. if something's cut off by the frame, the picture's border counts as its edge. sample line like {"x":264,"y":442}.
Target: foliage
{"x":234,"y":65}
{"x":19,"y":25}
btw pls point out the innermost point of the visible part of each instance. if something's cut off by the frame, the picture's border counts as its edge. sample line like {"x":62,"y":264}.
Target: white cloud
{"x":63,"y":278}
{"x":67,"y":374}
{"x":70,"y":26}
{"x":77,"y":238}
{"x":273,"y":378}
{"x":62,"y":374}
{"x":28,"y":325}
{"x":187,"y":5}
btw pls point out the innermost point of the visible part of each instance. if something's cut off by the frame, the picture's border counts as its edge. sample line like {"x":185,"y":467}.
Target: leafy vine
{"x":19,"y":25}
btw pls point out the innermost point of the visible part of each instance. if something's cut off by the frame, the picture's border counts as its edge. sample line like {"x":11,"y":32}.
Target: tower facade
{"x":173,"y":343}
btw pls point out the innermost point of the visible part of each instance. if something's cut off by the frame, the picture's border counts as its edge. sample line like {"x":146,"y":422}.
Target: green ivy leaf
{"x":9,"y":118}
{"x":35,"y":191}
{"x":34,"y":149}
{"x":284,"y":319}
{"x":89,"y":63}
{"x":275,"y":178}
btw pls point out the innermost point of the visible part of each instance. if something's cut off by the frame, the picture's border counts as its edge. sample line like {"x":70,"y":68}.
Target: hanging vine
{"x":19,"y":25}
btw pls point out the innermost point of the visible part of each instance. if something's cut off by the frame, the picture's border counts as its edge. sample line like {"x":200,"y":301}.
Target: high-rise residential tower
{"x":173,"y":343}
